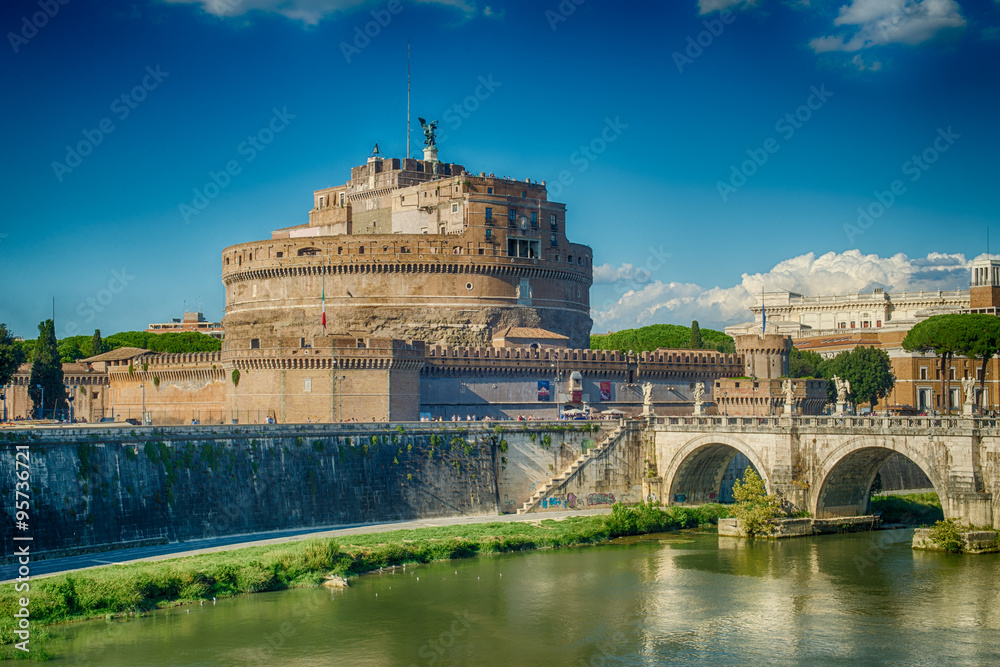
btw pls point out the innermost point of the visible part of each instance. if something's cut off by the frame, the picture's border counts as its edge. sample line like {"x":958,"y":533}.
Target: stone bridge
{"x":826,"y":465}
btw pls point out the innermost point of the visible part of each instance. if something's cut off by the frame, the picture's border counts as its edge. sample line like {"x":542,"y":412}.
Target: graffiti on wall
{"x":601,"y":499}
{"x":552,"y":502}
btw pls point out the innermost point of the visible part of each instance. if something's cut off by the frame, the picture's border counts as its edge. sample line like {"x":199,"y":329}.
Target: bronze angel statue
{"x":429,"y":129}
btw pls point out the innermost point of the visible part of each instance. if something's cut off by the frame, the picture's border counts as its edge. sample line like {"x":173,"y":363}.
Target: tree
{"x":870,"y":373}
{"x":96,"y":344}
{"x":804,"y":364}
{"x":941,"y":335}
{"x":11,"y":355}
{"x":46,"y":372}
{"x":755,"y":509}
{"x":979,"y":338}
{"x":656,"y":336}
{"x":696,"y":342}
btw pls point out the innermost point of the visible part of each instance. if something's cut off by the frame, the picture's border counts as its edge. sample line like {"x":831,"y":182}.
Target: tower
{"x":764,"y":356}
{"x":984,"y":289}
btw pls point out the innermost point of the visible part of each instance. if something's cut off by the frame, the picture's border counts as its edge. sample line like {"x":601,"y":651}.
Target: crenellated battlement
{"x":662,"y":363}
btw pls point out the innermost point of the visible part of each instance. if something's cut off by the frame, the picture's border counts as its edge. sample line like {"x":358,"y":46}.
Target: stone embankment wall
{"x":613,"y":474}
{"x":99,"y":488}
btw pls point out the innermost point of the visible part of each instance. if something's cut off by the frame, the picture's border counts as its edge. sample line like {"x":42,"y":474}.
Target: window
{"x":489,"y":214}
{"x":534,"y":220}
{"x":524,"y":193}
{"x":255,"y":343}
{"x":279,"y":254}
{"x":842,"y":325}
{"x":512,"y":215}
{"x":552,"y":221}
{"x":341,"y":199}
{"x":360,"y":342}
{"x":555,"y":242}
{"x":489,"y":191}
{"x":361,"y":250}
{"x":308,"y":386}
{"x":489,"y":234}
{"x":923,"y":372}
{"x":454,"y":208}
{"x":520,"y":247}
{"x":951,"y":373}
{"x":878,"y":324}
{"x":852,"y":324}
{"x":302,"y":342}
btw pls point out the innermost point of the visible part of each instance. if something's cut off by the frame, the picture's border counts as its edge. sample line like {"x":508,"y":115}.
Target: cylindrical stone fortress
{"x":449,"y":259}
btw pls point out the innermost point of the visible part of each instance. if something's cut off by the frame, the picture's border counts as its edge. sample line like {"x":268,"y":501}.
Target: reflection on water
{"x":677,"y":599}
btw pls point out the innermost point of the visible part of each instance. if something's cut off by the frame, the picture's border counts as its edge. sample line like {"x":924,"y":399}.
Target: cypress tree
{"x":46,"y":370}
{"x":96,"y":344}
{"x":696,"y":342}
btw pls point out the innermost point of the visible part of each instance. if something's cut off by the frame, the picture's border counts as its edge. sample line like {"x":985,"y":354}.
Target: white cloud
{"x":709,"y":6}
{"x":310,"y":12}
{"x":828,"y":274}
{"x":606,"y":274}
{"x":862,"y":65}
{"x":871,"y":23}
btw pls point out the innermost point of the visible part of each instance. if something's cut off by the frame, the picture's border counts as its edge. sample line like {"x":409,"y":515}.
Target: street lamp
{"x":143,"y":387}
{"x":41,"y":407}
{"x":72,"y":395}
{"x":558,"y":377}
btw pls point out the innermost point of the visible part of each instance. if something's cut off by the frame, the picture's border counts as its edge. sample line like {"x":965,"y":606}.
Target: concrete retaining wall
{"x":95,"y":488}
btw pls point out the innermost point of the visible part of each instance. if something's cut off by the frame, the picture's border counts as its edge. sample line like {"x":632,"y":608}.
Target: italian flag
{"x":323,"y":299}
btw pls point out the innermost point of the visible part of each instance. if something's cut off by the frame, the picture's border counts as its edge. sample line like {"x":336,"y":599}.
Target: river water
{"x":672,"y":599}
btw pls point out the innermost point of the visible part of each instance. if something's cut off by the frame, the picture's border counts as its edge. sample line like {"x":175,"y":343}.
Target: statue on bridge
{"x":788,"y":387}
{"x":647,"y":398}
{"x":969,"y":386}
{"x":699,"y":399}
{"x":843,"y":388}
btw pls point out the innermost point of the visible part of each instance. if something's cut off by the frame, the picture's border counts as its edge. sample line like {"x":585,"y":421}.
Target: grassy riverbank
{"x":915,"y":509}
{"x":144,"y":586}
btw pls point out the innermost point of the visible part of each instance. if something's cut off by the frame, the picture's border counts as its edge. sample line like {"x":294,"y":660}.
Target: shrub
{"x":755,"y":509}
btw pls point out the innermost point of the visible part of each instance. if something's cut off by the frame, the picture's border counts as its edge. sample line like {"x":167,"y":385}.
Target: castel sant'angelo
{"x":414,"y":249}
{"x":416,"y":290}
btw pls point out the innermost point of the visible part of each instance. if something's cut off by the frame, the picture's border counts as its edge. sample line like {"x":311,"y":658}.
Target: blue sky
{"x":745,"y":138}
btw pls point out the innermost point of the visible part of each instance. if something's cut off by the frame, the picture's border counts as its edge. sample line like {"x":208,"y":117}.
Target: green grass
{"x":140,"y":587}
{"x":916,"y":509}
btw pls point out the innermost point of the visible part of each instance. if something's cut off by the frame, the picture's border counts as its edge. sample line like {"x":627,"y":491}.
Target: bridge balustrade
{"x":881,"y":422}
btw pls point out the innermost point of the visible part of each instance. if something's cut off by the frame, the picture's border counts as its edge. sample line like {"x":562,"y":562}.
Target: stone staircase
{"x":573,"y":468}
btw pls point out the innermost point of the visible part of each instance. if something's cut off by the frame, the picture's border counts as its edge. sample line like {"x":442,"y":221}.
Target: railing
{"x":832,"y":421}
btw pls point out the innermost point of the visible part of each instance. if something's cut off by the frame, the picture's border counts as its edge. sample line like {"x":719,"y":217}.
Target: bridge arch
{"x":845,"y":476}
{"x":696,"y":469}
